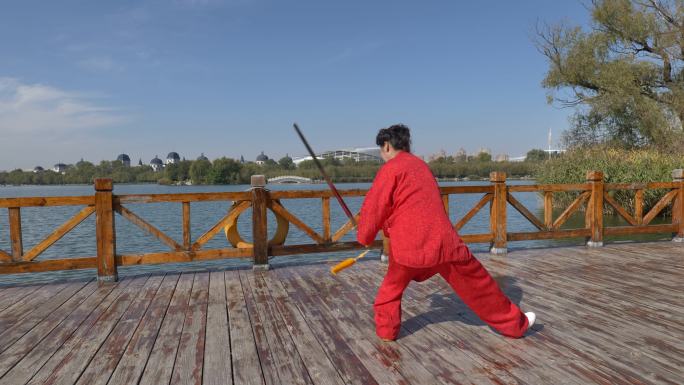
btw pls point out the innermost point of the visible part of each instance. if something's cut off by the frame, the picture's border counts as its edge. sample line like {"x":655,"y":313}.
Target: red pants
{"x":469,"y":280}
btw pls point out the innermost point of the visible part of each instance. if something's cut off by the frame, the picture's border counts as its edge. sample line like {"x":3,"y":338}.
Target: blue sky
{"x":92,"y":79}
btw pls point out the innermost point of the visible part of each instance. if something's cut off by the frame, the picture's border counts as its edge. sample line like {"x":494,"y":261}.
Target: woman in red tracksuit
{"x":404,"y":201}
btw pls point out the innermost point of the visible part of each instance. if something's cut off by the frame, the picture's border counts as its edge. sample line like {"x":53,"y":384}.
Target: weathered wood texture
{"x":678,"y":208}
{"x":15,"y":233}
{"x":595,"y":208}
{"x":104,"y":229}
{"x":592,"y":196}
{"x":260,"y":199}
{"x":58,"y":233}
{"x":608,"y":316}
{"x":497,"y":221}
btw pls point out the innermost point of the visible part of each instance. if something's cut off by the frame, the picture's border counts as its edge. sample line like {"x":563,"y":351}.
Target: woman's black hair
{"x":398,"y":135}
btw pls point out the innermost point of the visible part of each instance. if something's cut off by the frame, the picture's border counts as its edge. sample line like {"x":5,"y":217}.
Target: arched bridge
{"x":289,"y":179}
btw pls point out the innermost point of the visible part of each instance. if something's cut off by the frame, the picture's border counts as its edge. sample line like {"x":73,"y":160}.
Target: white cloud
{"x":32,"y":109}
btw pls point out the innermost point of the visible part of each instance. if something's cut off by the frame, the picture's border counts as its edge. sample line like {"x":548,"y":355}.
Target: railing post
{"x":678,"y":207}
{"x":594,"y":215}
{"x":497,"y":213}
{"x":15,"y":233}
{"x":104,"y":230}
{"x":260,"y":222}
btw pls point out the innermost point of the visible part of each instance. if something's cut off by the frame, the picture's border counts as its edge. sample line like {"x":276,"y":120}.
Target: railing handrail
{"x":594,"y":194}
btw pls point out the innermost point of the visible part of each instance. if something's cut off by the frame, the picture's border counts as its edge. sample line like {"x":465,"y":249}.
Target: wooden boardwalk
{"x":613,"y":315}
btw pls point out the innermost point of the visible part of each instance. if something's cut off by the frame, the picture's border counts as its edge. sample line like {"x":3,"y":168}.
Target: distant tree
{"x":184,"y":170}
{"x":484,"y":157}
{"x":16,"y":177}
{"x":286,"y":163}
{"x":307,"y":164}
{"x":536,"y":155}
{"x":461,"y":155}
{"x":247,"y":170}
{"x":224,"y":171}
{"x":625,"y":76}
{"x":199,"y":171}
{"x":172,"y":171}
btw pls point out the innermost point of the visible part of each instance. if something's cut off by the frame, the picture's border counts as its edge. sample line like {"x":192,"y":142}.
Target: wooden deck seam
{"x":435,"y":328}
{"x":292,"y":335}
{"x":217,"y":356}
{"x":590,"y":311}
{"x":132,"y":333}
{"x":155,"y":336}
{"x":356,"y":345}
{"x":46,"y":334}
{"x":283,"y":341}
{"x":168,"y":332}
{"x":27,"y":307}
{"x":187,"y":305}
{"x":277,"y":280}
{"x":405,"y":373}
{"x":24,"y":293}
{"x":609,"y":316}
{"x":230,"y":335}
{"x":77,"y":327}
{"x":38,"y":322}
{"x":111,"y":329}
{"x":412,"y":299}
{"x":247,"y":291}
{"x":156,"y":332}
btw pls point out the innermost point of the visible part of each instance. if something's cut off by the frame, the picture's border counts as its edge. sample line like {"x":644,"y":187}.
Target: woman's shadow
{"x":450,"y":308}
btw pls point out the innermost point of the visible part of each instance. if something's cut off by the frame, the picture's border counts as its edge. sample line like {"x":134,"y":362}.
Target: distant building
{"x":261,"y":159}
{"x":554,"y":152}
{"x":173,"y":158}
{"x":438,"y":155}
{"x":125,"y":159}
{"x":461,"y":155}
{"x":38,"y":169}
{"x":60,"y":168}
{"x":484,"y":150}
{"x":202,"y":157}
{"x":242,"y":159}
{"x":359,"y":154}
{"x":502,"y":158}
{"x":156,"y":163}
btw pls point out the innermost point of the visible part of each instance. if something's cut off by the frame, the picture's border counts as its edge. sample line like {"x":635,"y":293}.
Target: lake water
{"x":38,"y":222}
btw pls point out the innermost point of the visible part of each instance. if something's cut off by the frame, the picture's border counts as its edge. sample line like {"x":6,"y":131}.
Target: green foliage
{"x":618,"y":166}
{"x":624,"y":76}
{"x":199,"y":171}
{"x":536,"y":155}
{"x":224,"y":171}
{"x":171,"y":171}
{"x":286,"y":163}
{"x":229,"y":171}
{"x":484,"y":157}
{"x":474,"y":169}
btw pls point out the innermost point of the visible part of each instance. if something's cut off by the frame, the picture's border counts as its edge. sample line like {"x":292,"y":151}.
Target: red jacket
{"x":404,"y":201}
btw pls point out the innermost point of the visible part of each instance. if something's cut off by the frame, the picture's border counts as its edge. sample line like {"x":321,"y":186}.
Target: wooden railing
{"x":593,"y":196}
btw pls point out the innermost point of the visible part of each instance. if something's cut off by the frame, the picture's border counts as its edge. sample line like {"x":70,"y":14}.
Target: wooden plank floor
{"x":613,"y":315}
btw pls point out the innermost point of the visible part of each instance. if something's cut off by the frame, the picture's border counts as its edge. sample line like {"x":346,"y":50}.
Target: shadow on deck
{"x":611,"y":315}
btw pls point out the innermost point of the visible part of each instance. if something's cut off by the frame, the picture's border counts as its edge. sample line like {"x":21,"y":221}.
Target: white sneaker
{"x":531,"y":317}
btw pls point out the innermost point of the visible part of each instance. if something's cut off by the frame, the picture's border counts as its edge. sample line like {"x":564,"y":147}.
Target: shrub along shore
{"x":618,"y":165}
{"x":230,"y":171}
